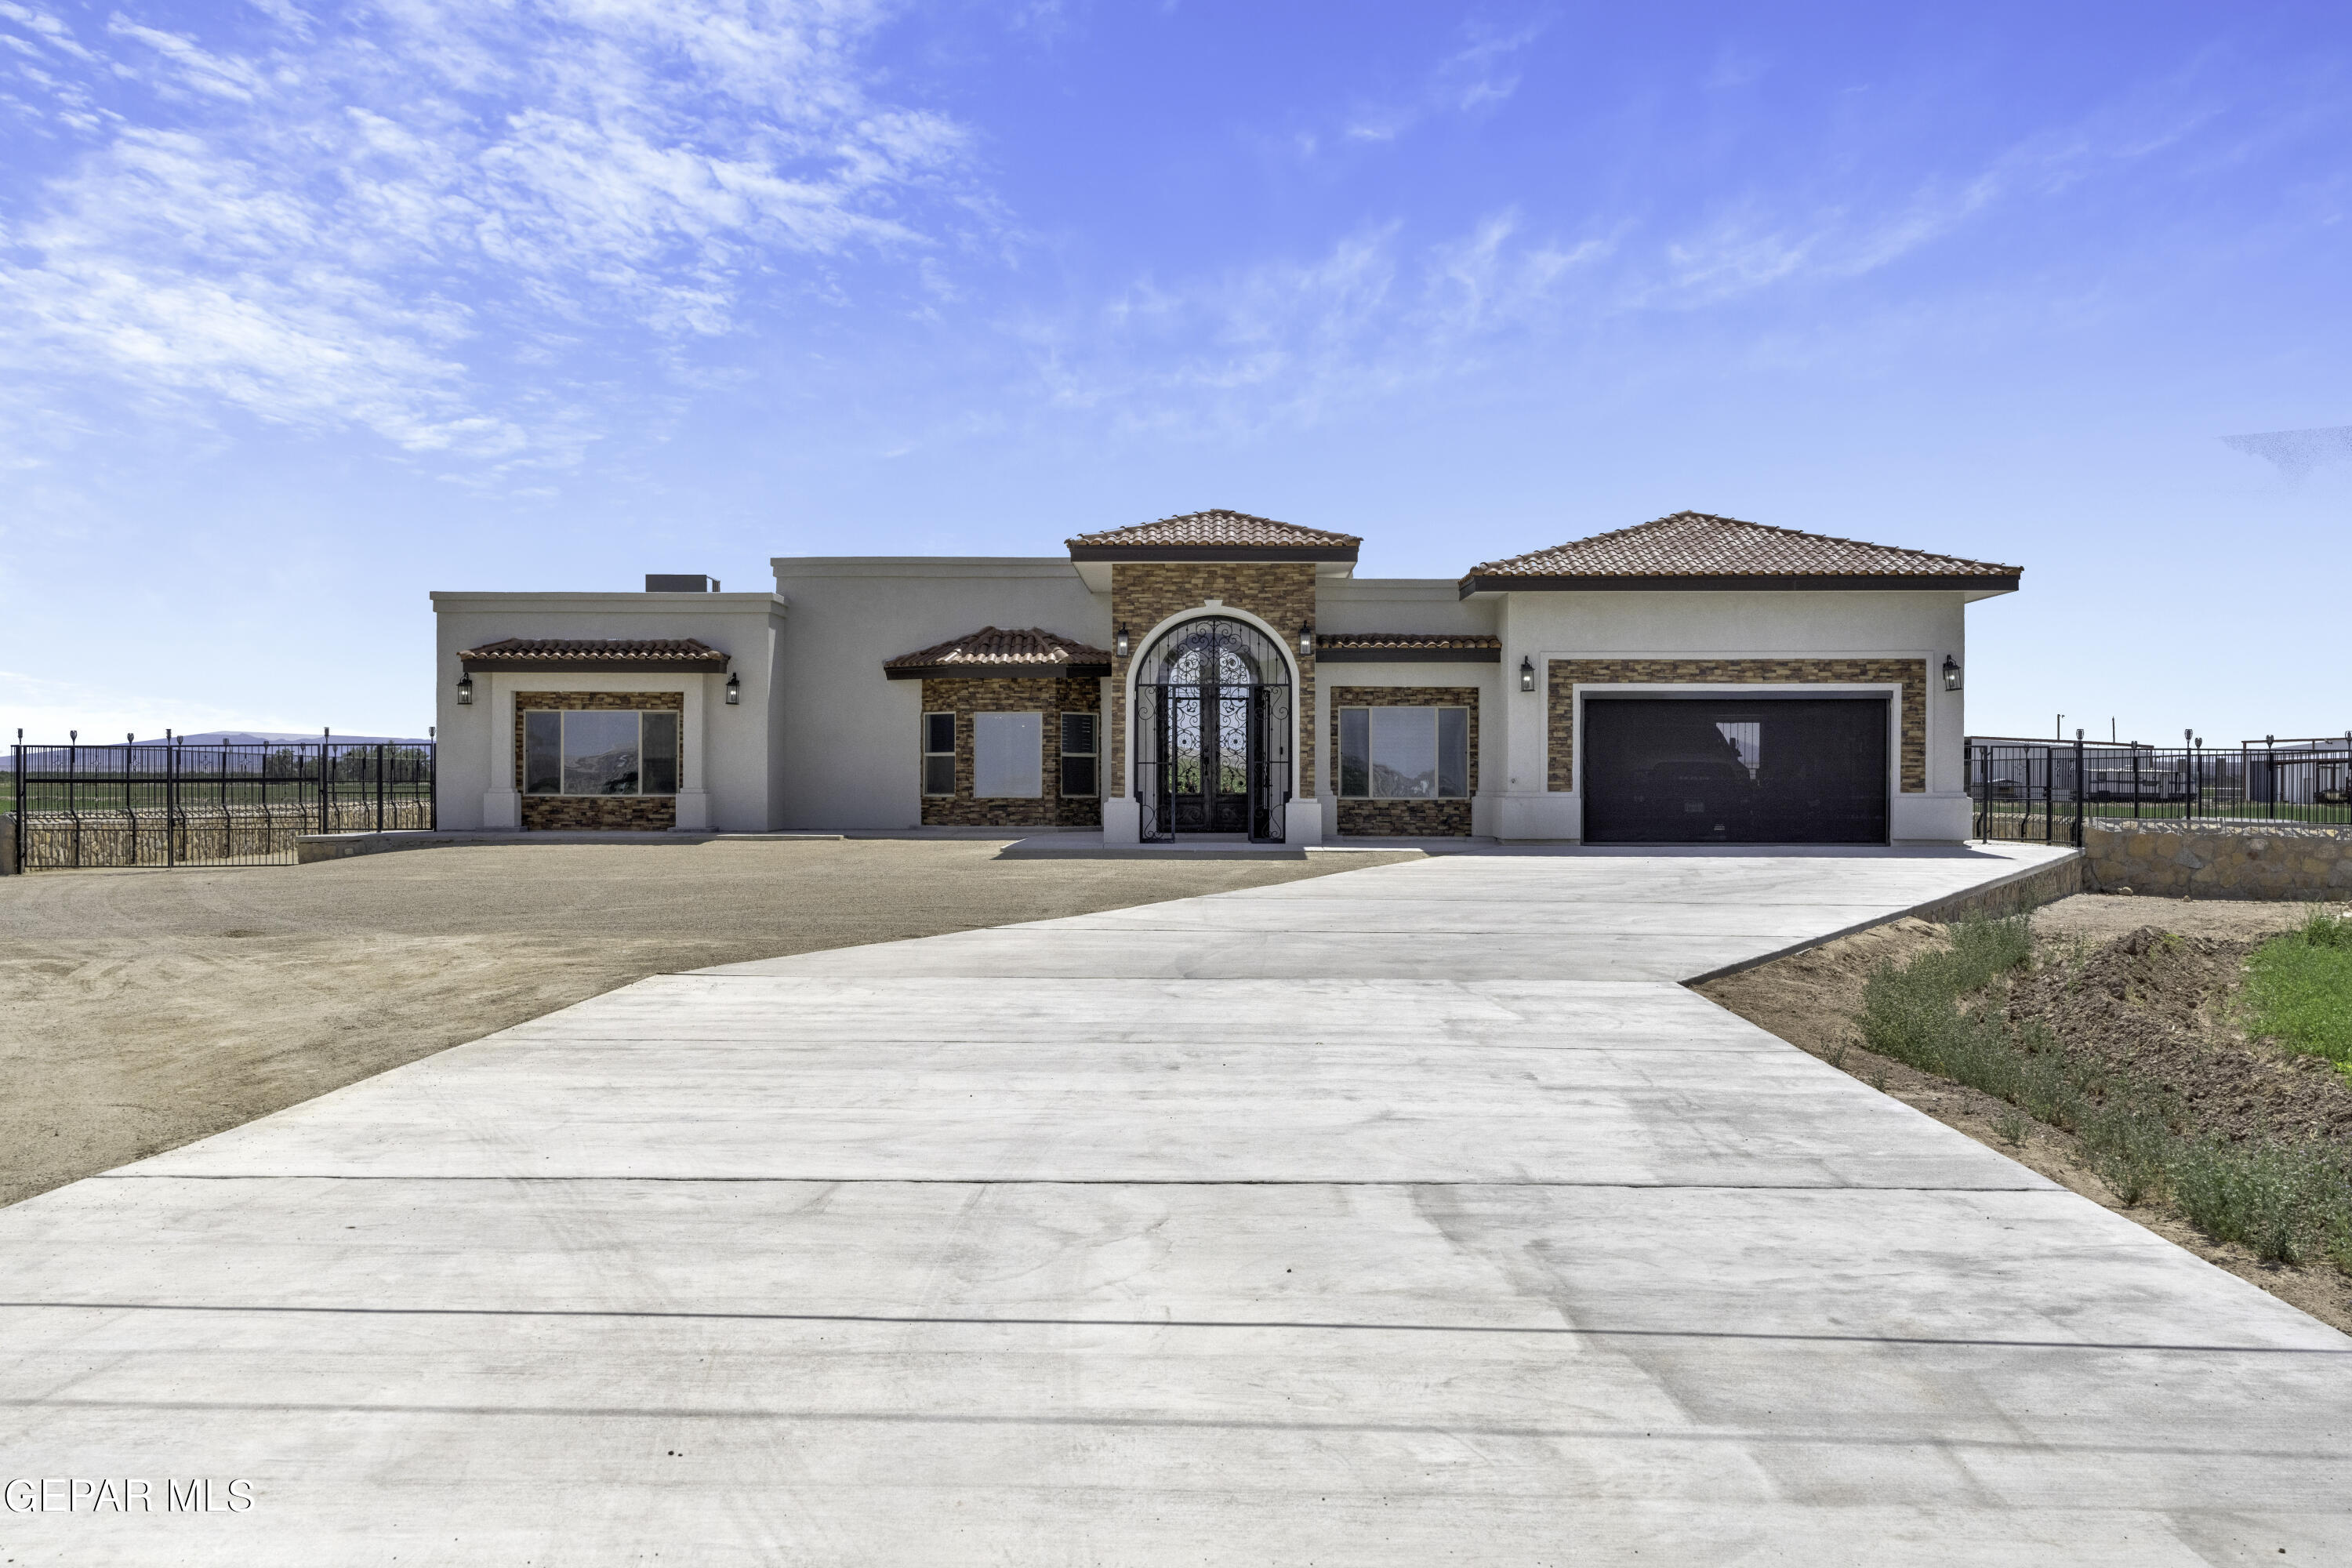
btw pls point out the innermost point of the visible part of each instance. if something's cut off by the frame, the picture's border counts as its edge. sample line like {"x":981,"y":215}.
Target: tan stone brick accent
{"x":1144,"y":594}
{"x":1405,"y":818}
{"x":596,"y":813}
{"x":1028,"y":694}
{"x":1567,"y":674}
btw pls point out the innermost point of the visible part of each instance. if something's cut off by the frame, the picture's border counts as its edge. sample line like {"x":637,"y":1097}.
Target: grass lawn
{"x":2299,"y":989}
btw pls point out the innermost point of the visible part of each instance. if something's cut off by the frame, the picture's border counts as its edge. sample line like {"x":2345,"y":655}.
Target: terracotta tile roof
{"x":991,"y":651}
{"x":1408,"y":647}
{"x":1695,"y":549}
{"x":595,"y":653}
{"x":1214,"y":535}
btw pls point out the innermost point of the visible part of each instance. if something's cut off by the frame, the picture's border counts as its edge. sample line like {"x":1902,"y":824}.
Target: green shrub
{"x":1939,"y":1013}
{"x":2299,"y":988}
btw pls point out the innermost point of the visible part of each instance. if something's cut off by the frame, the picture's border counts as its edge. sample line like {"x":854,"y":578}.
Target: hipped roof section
{"x":994,"y":653}
{"x":1217,"y":535}
{"x":1695,"y":549}
{"x":641,"y":654}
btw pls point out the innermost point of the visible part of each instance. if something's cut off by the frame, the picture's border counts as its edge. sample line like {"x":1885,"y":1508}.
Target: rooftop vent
{"x":680,"y":582}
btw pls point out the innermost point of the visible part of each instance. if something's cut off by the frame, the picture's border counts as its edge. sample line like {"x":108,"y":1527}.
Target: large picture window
{"x":1008,"y":755}
{"x":939,"y":754}
{"x":1080,"y":756}
{"x":600,"y":752}
{"x":1404,"y":753}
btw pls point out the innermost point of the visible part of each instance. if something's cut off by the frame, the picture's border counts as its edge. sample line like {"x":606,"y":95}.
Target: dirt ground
{"x":2103,"y":945}
{"x":142,"y":1009}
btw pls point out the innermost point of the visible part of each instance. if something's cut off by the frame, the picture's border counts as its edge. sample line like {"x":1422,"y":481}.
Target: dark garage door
{"x":1700,"y":771}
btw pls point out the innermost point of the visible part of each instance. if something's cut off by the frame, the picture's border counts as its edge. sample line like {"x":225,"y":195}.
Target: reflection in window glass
{"x":939,"y":754}
{"x":542,"y":754}
{"x":600,"y":753}
{"x":1747,"y":740}
{"x":660,"y":740}
{"x":1404,"y":753}
{"x":1452,"y":752}
{"x":1079,"y":777}
{"x":1355,"y":752}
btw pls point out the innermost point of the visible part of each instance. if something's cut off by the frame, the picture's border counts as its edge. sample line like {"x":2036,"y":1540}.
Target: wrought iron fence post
{"x":2079,"y":790}
{"x":379,"y":787}
{"x":433,"y":784}
{"x":2049,"y":797}
{"x":171,"y":802}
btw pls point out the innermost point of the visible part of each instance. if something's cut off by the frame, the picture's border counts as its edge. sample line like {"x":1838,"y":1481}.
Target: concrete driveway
{"x":1414,"y":1215}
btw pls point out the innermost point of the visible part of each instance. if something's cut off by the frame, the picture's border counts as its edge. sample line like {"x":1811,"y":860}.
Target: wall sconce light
{"x":1951,"y":673}
{"x":1526,"y":673}
{"x":465,"y":690}
{"x":734,"y":690}
{"x":1120,"y":646}
{"x":1306,"y":639}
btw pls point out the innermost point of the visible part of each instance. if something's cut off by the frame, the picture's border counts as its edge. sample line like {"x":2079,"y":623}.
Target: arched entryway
{"x":1212,"y":731}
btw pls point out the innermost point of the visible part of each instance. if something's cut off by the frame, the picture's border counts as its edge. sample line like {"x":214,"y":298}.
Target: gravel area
{"x":142,"y":1009}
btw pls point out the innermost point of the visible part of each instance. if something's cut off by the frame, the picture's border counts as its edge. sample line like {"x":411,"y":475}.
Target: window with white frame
{"x":1404,"y":753}
{"x":939,"y":754}
{"x":600,"y":752}
{"x":1081,"y":759}
{"x":1008,"y":755}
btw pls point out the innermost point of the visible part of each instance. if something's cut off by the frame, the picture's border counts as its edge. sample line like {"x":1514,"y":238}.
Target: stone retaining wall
{"x":2220,"y":860}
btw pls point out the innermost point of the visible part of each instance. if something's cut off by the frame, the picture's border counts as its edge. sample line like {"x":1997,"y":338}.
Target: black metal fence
{"x":153,"y":803}
{"x":2044,"y":791}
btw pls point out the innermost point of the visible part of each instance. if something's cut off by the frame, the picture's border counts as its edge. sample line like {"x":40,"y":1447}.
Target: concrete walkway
{"x":1410,"y":1216}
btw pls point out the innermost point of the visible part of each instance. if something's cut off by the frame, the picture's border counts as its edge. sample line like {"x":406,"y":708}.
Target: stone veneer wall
{"x":1144,"y":594}
{"x":1044,"y":694}
{"x":1567,"y":674}
{"x":597,"y":813}
{"x":1405,"y":818}
{"x":2214,"y":861}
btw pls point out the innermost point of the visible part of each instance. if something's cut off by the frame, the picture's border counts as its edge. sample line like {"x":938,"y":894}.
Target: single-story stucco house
{"x":1693,"y":680}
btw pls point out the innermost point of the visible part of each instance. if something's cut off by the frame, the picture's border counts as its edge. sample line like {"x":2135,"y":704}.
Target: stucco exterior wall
{"x":849,"y":733}
{"x":1636,"y":625}
{"x":728,"y":755}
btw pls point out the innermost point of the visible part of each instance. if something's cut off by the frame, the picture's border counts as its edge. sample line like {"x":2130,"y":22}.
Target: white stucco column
{"x":502,"y":801}
{"x":693,"y":754}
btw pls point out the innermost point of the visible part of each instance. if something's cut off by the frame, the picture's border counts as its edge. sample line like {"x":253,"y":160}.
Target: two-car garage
{"x":1713,"y":770}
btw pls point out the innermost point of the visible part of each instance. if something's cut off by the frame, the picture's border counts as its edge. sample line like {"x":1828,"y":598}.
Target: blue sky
{"x":306,"y":311}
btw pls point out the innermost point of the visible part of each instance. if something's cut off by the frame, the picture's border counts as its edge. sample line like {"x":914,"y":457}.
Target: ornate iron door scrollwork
{"x":1212,"y":731}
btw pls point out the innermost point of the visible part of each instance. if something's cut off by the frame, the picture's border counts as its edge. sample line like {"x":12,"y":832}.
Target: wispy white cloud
{"x":358,"y":229}
{"x":1292,"y":342}
{"x":1483,"y":71}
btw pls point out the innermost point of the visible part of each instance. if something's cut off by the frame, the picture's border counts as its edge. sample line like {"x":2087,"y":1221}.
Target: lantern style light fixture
{"x":465,"y":690}
{"x":1951,"y":673}
{"x":1306,"y":639}
{"x":734,"y":690}
{"x":1120,"y":646}
{"x":1526,"y":673}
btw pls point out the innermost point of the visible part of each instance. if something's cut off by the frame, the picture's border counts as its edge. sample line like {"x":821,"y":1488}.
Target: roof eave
{"x":1786,"y":582}
{"x":1409,"y":655}
{"x":1066,"y":671}
{"x":1346,"y":553}
{"x":524,"y":664}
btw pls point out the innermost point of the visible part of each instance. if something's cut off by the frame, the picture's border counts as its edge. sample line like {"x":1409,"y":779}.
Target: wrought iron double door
{"x":1221,"y":759}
